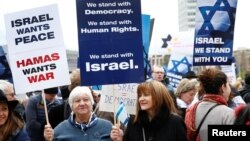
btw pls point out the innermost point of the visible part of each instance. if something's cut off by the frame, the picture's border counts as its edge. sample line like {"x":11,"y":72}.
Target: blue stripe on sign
{"x":126,"y":121}
{"x":119,"y":111}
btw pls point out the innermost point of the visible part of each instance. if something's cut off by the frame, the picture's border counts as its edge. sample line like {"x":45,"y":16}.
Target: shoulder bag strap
{"x":198,"y":129}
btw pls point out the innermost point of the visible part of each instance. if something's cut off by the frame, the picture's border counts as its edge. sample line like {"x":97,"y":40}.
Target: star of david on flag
{"x":121,"y":114}
{"x":214,"y":14}
{"x":215,"y":20}
{"x":180,"y":65}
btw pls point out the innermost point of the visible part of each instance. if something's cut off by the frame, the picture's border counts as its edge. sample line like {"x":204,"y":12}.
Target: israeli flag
{"x":121,"y":114}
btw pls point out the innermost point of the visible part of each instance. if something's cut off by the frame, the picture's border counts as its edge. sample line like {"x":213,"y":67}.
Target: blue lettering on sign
{"x":126,"y":88}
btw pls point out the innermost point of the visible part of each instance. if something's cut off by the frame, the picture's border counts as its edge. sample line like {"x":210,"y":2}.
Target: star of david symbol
{"x":208,"y":13}
{"x":182,"y":63}
{"x":165,"y":40}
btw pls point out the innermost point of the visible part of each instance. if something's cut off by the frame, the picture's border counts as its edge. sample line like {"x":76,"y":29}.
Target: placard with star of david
{"x":214,"y":32}
{"x":178,"y":66}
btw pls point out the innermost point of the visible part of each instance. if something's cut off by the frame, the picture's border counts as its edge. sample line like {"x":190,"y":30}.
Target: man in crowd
{"x":35,"y":113}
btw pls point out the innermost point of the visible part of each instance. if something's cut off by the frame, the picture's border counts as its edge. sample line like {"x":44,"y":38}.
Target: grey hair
{"x":186,"y":85}
{"x":78,"y":91}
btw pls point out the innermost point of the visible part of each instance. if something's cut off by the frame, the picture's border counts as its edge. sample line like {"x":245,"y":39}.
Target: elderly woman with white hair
{"x":82,"y":125}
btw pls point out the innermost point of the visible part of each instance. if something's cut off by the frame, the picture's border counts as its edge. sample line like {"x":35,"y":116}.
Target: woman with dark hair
{"x":156,"y":117}
{"x":213,"y":108}
{"x":11,"y":123}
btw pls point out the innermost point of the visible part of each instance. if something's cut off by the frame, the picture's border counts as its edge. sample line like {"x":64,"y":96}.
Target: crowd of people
{"x":162,"y":112}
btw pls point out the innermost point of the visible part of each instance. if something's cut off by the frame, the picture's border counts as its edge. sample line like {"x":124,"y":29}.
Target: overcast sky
{"x":165,"y":13}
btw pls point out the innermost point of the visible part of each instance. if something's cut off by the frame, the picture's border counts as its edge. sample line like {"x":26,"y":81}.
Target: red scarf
{"x":191,"y":111}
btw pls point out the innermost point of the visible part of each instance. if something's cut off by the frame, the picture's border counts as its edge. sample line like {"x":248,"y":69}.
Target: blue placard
{"x":110,"y":41}
{"x":214,"y":31}
{"x":5,"y":72}
{"x":145,"y":35}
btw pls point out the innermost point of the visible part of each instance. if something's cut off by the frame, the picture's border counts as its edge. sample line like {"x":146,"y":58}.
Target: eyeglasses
{"x":159,"y":72}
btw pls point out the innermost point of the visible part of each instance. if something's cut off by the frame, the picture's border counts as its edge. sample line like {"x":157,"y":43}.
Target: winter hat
{"x":190,"y":75}
{"x":11,"y":104}
{"x":53,"y":90}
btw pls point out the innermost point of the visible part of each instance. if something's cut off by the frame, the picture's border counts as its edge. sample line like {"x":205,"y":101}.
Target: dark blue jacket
{"x":35,"y":116}
{"x":245,"y":93}
{"x":21,"y":135}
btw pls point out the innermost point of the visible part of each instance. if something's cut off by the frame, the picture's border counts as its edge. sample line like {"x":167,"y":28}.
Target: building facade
{"x":186,"y":9}
{"x":72,"y":58}
{"x":242,"y":61}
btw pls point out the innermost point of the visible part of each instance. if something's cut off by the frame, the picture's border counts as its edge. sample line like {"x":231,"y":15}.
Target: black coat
{"x":162,"y":128}
{"x":58,"y":114}
{"x":245,"y":93}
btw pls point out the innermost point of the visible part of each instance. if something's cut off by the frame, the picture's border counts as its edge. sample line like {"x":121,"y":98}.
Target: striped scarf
{"x":84,"y":126}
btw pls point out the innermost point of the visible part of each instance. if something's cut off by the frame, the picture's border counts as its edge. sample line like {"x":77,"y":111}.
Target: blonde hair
{"x":186,"y":85}
{"x":238,"y":83}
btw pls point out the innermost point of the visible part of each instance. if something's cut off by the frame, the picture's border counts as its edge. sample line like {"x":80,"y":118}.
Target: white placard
{"x":36,"y":51}
{"x":40,"y":69}
{"x":114,"y":93}
{"x":33,"y":29}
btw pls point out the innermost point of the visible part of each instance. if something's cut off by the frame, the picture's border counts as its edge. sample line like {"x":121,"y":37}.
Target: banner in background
{"x":214,"y":32}
{"x":112,"y":95}
{"x":146,"y":34}
{"x":36,"y":50}
{"x":230,"y":71}
{"x":146,"y":27}
{"x":110,"y":41}
{"x":179,"y":64}
{"x":181,"y":59}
